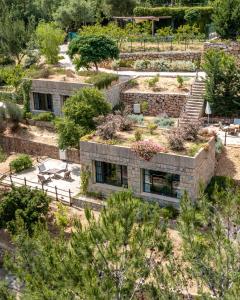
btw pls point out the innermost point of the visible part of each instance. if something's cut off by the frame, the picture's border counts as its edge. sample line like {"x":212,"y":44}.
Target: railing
{"x":64,"y":196}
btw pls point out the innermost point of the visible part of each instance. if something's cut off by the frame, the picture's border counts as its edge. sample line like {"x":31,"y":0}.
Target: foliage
{"x":102,"y":80}
{"x":147,"y":149}
{"x":210,"y":242}
{"x":178,"y":13}
{"x":223,"y":83}
{"x":219,"y":184}
{"x":176,"y":141}
{"x":152,"y":127}
{"x":44,"y":116}
{"x":139,"y":119}
{"x":180,"y":81}
{"x":85,"y":177}
{"x":5,"y":293}
{"x":69,"y":133}
{"x":14,"y":113}
{"x":23,"y":204}
{"x":219,"y":146}
{"x":193,"y":149}
{"x":121,"y":8}
{"x":162,"y":65}
{"x":92,"y":50}
{"x":22,"y":162}
{"x":164,"y":122}
{"x":15,"y":36}
{"x":84,"y":106}
{"x":91,"y":270}
{"x":74,"y":13}
{"x":165,"y":31}
{"x":3,"y":155}
{"x":226,"y":18}
{"x":61,"y":216}
{"x":181,"y":65}
{"x":12,"y":75}
{"x":144,"y":106}
{"x":26,"y":87}
{"x":153,"y":81}
{"x":138,"y":135}
{"x":190,"y":131}
{"x":187,"y":32}
{"x":108,"y":127}
{"x":169,"y":212}
{"x":49,"y":38}
{"x":141,"y":64}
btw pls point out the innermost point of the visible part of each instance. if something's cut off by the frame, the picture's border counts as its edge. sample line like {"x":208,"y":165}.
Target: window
{"x":64,"y":98}
{"x":111,"y":174}
{"x":161,"y":183}
{"x":42,"y":101}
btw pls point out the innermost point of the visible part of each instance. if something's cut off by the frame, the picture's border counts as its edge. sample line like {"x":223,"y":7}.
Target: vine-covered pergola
{"x":144,"y":19}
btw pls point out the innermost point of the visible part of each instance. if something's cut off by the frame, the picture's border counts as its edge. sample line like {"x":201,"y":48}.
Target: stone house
{"x":50,"y":94}
{"x":163,"y":179}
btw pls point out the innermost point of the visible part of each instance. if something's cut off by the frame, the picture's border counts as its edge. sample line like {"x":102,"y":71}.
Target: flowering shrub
{"x":176,"y":141}
{"x":190,"y":131}
{"x":147,"y":149}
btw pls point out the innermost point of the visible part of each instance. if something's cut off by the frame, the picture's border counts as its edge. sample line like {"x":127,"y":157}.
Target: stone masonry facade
{"x":192,"y":170}
{"x":58,"y":89}
{"x":171,"y":104}
{"x":169,"y":55}
{"x":231,"y":47}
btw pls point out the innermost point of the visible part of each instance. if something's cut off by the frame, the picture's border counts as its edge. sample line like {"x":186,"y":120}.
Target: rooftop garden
{"x":149,"y":134}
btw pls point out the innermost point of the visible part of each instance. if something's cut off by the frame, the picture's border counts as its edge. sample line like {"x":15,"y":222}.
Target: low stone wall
{"x":231,"y":47}
{"x":41,"y":124}
{"x":171,"y":104}
{"x":192,"y":170}
{"x":18,"y":145}
{"x":169,"y":55}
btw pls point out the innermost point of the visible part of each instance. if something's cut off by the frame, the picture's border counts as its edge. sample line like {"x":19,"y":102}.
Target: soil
{"x":35,"y":134}
{"x":229,"y":162}
{"x":164,"y":85}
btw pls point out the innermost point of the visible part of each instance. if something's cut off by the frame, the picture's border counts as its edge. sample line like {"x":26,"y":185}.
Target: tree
{"x":84,"y":106}
{"x":210,"y":233}
{"x":15,"y":37}
{"x":49,"y":38}
{"x":226,"y":18}
{"x":69,"y":133}
{"x":113,"y":257}
{"x":92,"y":50}
{"x":23,"y":204}
{"x":222,"y":83}
{"x":121,"y":8}
{"x":74,"y":13}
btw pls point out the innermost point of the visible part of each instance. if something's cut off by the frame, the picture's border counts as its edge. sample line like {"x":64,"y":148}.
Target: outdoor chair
{"x":43,"y":179}
{"x":67,"y":175}
{"x":63,"y":167}
{"x":42,"y":169}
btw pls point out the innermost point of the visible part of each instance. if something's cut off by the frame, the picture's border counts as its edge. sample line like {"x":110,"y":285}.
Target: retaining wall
{"x":168,"y":55}
{"x":192,"y":170}
{"x":230,"y":47}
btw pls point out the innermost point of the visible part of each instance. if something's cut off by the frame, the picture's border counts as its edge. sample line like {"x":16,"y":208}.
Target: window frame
{"x":42,"y":98}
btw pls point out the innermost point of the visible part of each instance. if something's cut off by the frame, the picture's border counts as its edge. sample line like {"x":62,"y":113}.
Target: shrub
{"x":147,"y":149}
{"x":159,"y":65}
{"x":169,"y":212}
{"x":14,"y":112}
{"x":221,"y":183}
{"x":141,"y":64}
{"x":144,"y":106}
{"x":22,"y":162}
{"x":3,"y":155}
{"x":44,"y":116}
{"x":25,"y":204}
{"x":180,"y":81}
{"x":182,"y":65}
{"x":132,"y":83}
{"x":153,"y":81}
{"x":193,"y":149}
{"x":152,"y":127}
{"x":165,"y":65}
{"x":139,"y":119}
{"x":102,"y":80}
{"x":219,"y":146}
{"x":28,"y":115}
{"x":138,"y":135}
{"x":176,"y":141}
{"x":61,"y":215}
{"x":190,"y":131}
{"x":107,"y":131}
{"x":125,"y":123}
{"x":164,"y":122}
{"x":85,"y":177}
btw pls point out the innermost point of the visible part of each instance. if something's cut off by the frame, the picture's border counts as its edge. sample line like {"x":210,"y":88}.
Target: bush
{"x":138,"y":135}
{"x":22,"y":162}
{"x":44,"y":116}
{"x":180,"y":81}
{"x":147,"y":149}
{"x":182,"y":65}
{"x":153,"y":81}
{"x":176,"y":141}
{"x":221,"y":183}
{"x":144,"y":106}
{"x":132,"y":83}
{"x":190,"y":131}
{"x":28,"y":115}
{"x":3,"y":155}
{"x":169,"y":212}
{"x":219,"y":146}
{"x":102,"y":80}
{"x":160,"y":65}
{"x":193,"y":150}
{"x":139,"y":119}
{"x":164,"y":65}
{"x":107,"y":130}
{"x":141,"y":65}
{"x":152,"y":127}
{"x":85,"y":177}
{"x":23,"y":204}
{"x":164,"y":122}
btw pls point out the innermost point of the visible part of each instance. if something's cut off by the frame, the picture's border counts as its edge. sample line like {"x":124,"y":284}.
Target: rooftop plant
{"x":102,"y":80}
{"x":147,"y":149}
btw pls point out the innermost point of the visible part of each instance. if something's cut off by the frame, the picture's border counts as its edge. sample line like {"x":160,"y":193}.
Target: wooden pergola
{"x":144,"y":19}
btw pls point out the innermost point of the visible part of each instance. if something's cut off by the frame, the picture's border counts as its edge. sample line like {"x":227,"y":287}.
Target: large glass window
{"x":42,"y":101}
{"x":111,"y":174}
{"x":161,"y":183}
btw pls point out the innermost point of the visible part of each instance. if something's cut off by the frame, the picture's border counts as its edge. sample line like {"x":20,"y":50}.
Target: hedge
{"x":177,"y":13}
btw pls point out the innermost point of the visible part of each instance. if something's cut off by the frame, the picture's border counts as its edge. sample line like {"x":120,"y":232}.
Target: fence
{"x":64,"y":196}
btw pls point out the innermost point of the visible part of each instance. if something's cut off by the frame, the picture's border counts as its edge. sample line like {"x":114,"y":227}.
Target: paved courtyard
{"x":60,"y":185}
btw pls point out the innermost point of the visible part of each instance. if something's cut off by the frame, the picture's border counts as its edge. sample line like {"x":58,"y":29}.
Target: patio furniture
{"x":63,"y":167}
{"x":42,"y":169}
{"x":43,"y":179}
{"x":67,"y":175}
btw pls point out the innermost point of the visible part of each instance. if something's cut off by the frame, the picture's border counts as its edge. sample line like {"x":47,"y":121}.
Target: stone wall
{"x":192,"y":170}
{"x":231,"y":47}
{"x":58,"y":89}
{"x":18,"y":145}
{"x":169,"y":55}
{"x":172,"y":104}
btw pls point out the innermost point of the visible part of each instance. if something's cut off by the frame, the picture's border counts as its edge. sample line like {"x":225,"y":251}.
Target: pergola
{"x":143,"y":19}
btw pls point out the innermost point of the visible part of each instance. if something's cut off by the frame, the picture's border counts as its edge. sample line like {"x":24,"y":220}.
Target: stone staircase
{"x":194,"y":106}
